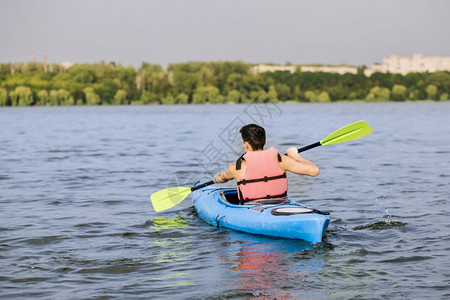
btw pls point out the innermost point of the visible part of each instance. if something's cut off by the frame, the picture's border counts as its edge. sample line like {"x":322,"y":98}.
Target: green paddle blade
{"x":347,"y":133}
{"x":168,"y":198}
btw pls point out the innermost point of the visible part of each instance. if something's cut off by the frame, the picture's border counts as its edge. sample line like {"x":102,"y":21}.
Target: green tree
{"x":399,"y":92}
{"x":21,"y":96}
{"x":311,"y":96}
{"x":234,"y":96}
{"x":379,"y":94}
{"x":323,"y":97}
{"x":431,"y":90}
{"x":382,"y":80}
{"x":441,"y":80}
{"x":65,"y":97}
{"x":60,"y":97}
{"x":235,"y":82}
{"x":43,"y":97}
{"x":91,"y":97}
{"x":262,"y":97}
{"x":120,"y":98}
{"x":106,"y":90}
{"x":169,"y":99}
{"x":206,"y":94}
{"x":182,"y":98}
{"x":297,"y":92}
{"x":337,"y":92}
{"x":54,"y":98}
{"x":283,"y":91}
{"x":146,"y":98}
{"x":214,"y":95}
{"x":82,"y":74}
{"x":3,"y":97}
{"x":200,"y":95}
{"x":272,"y":94}
{"x":256,"y":83}
{"x":127,"y":81}
{"x":185,"y":83}
{"x":206,"y":74}
{"x":153,"y":79}
{"x":249,"y":96}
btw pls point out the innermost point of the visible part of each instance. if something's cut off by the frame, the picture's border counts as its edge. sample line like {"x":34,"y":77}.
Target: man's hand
{"x":292,"y":152}
{"x":220,"y":178}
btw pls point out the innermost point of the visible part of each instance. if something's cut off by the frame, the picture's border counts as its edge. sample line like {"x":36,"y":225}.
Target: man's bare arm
{"x":294,"y":163}
{"x":226,"y":175}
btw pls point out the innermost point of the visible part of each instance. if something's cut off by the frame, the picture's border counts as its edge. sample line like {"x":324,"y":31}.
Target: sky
{"x":129,"y":32}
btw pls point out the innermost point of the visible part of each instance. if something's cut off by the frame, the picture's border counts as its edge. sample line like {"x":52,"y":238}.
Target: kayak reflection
{"x":270,"y":268}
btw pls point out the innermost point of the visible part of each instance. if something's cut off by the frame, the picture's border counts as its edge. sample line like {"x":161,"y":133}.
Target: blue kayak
{"x":273,"y":217}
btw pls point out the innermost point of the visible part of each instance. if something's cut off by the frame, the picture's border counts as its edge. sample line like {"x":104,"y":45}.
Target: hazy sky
{"x":355,"y":32}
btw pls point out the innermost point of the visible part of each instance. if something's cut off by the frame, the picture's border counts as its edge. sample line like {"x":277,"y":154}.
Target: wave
{"x":381,"y":225}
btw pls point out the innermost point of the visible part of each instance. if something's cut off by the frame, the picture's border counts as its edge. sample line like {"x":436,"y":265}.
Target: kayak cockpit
{"x":231,"y":196}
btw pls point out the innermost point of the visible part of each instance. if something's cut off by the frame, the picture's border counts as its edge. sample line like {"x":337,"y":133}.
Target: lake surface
{"x":76,"y":219}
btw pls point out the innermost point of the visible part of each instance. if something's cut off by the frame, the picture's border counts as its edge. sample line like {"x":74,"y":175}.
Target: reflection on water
{"x":269,"y":268}
{"x":170,"y":246}
{"x":174,"y":279}
{"x":166,"y":223}
{"x":260,"y":269}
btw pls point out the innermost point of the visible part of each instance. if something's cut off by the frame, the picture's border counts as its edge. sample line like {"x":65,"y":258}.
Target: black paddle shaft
{"x":202,"y":185}
{"x":309,"y":147}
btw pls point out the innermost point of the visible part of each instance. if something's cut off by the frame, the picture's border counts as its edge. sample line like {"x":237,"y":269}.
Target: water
{"x":76,"y":220}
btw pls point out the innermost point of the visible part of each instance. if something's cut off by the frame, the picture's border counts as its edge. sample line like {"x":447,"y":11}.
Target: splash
{"x":381,"y":225}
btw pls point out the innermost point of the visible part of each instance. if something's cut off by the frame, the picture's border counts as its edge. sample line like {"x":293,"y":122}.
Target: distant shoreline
{"x":233,"y":103}
{"x":37,"y":84}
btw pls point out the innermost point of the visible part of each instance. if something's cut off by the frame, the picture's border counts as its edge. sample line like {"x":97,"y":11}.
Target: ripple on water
{"x":403,"y":259}
{"x":92,"y":225}
{"x":381,"y":225}
{"x":44,"y":240}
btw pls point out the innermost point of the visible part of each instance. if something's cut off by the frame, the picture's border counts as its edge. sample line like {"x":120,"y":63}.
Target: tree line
{"x":27,"y":84}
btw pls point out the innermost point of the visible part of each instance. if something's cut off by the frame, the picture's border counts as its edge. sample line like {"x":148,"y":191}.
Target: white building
{"x":330,"y":69}
{"x":66,"y":64}
{"x":392,"y":64}
{"x":307,"y":68}
{"x":407,"y":64}
{"x":271,"y":68}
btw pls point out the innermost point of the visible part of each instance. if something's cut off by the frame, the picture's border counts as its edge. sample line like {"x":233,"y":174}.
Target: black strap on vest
{"x":241,"y":158}
{"x":239,"y":162}
{"x":265,"y":179}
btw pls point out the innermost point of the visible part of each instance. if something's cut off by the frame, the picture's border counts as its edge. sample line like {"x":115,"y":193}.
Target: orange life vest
{"x":263,"y":177}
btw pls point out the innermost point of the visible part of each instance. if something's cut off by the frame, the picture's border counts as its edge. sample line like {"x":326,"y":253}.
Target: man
{"x":261,"y":174}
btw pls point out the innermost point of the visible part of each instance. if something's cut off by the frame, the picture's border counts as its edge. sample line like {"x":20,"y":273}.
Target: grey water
{"x":76,"y":220}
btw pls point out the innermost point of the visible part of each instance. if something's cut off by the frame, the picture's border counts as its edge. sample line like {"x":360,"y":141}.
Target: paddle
{"x":347,"y":133}
{"x":168,"y":198}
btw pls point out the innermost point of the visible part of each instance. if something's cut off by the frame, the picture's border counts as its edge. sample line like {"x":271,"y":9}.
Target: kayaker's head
{"x":253,"y":137}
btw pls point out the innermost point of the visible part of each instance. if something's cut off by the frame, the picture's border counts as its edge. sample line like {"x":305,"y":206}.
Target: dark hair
{"x":255,"y":135}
